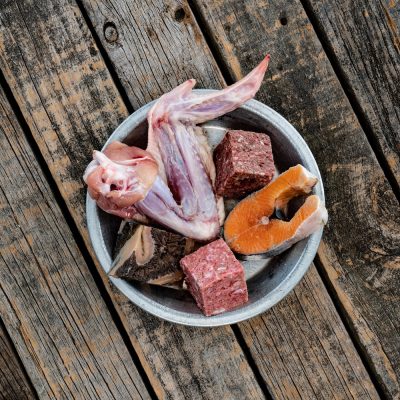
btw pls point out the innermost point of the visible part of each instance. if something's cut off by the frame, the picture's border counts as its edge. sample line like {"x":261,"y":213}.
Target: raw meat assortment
{"x":149,"y":255}
{"x":180,"y":194}
{"x":175,"y":184}
{"x":215,"y":278}
{"x":243,"y":162}
{"x":249,"y":229}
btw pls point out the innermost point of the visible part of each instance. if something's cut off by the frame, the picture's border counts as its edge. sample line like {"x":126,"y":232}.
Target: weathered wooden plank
{"x":104,"y":13}
{"x":153,"y":45}
{"x":197,"y":375}
{"x":360,"y":250}
{"x":364,"y":39}
{"x":71,"y":105}
{"x":13,"y":383}
{"x":52,"y":309}
{"x":303,"y":350}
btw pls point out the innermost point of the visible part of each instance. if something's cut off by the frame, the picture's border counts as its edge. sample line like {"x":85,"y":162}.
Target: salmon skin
{"x":249,"y":228}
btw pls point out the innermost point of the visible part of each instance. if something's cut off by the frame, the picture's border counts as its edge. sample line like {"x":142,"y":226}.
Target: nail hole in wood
{"x":110,"y":32}
{"x":180,"y":14}
{"x":92,"y":51}
{"x":283,"y":21}
{"x":151,"y":33}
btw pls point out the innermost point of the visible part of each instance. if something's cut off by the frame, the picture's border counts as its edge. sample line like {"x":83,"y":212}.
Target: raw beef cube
{"x":244,"y":163}
{"x":215,"y":278}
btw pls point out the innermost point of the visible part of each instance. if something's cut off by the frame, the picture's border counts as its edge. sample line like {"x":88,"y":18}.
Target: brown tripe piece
{"x":149,"y":255}
{"x":244,"y":163}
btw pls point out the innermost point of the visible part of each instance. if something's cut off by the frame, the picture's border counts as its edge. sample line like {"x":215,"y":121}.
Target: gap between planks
{"x":357,"y":109}
{"x":252,"y":363}
{"x":219,"y":59}
{"x":76,"y":234}
{"x":106,"y":59}
{"x":25,"y":382}
{"x":347,"y":324}
{"x":229,"y":79}
{"x":129,"y":106}
{"x":368,"y":131}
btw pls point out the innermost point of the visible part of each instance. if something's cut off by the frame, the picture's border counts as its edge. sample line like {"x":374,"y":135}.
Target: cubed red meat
{"x":244,"y":163}
{"x":215,"y":278}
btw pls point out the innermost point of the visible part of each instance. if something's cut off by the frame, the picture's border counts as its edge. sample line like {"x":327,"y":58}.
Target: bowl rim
{"x":239,"y":314}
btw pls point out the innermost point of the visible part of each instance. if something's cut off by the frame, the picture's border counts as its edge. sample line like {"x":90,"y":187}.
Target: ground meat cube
{"x":215,"y":278}
{"x":244,"y":163}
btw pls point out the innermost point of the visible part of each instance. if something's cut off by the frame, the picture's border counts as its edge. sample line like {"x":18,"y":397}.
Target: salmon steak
{"x":249,"y":228}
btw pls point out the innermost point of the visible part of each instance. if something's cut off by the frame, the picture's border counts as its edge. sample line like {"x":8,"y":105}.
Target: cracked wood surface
{"x":49,"y":302}
{"x":359,"y":253}
{"x":364,"y":39}
{"x":13,"y":382}
{"x":302,"y":349}
{"x":71,"y":106}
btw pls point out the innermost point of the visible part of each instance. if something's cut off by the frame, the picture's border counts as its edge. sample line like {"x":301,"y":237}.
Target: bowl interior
{"x":269,"y":279}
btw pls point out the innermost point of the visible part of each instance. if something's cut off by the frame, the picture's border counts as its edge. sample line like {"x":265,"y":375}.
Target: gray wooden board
{"x":364,"y":38}
{"x":13,"y":382}
{"x":303,"y":350}
{"x":155,"y":46}
{"x":129,"y":69}
{"x":360,"y":249}
{"x":71,"y":105}
{"x":180,"y":361}
{"x":49,"y":302}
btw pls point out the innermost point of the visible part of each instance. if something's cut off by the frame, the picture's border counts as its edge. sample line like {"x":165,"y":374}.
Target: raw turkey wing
{"x":181,"y":195}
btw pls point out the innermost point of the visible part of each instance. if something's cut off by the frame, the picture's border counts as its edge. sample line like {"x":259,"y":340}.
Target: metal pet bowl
{"x":269,"y":280}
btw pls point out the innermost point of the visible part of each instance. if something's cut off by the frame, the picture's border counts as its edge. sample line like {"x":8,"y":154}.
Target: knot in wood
{"x":180,"y":14}
{"x":110,"y":32}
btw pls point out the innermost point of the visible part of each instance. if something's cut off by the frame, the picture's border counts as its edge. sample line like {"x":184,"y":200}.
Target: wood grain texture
{"x":154,"y":46}
{"x":325,"y":359}
{"x":71,"y":105}
{"x":13,"y":382}
{"x":303,"y":350}
{"x":192,"y":363}
{"x":181,"y":361}
{"x":360,"y":250}
{"x":364,"y":39}
{"x":49,"y":302}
